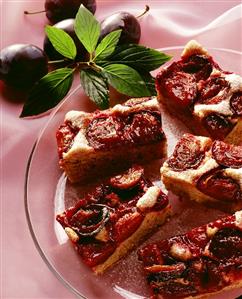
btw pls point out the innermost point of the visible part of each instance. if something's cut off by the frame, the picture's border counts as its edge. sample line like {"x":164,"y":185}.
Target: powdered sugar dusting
{"x":148,"y":200}
{"x":238,"y":219}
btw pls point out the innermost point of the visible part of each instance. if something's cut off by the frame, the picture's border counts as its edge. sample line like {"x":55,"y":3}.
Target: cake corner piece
{"x":193,"y":47}
{"x":205,"y":171}
{"x":112,"y":219}
{"x":204,"y":261}
{"x":120,"y":136}
{"x":206,"y":98}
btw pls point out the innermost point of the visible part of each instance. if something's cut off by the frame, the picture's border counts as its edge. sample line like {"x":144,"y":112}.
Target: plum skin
{"x":21,"y":65}
{"x":58,"y":10}
{"x":129,"y":24}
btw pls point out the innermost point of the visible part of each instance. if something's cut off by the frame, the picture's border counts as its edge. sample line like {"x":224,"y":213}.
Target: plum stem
{"x":147,"y":8}
{"x":34,"y":12}
{"x":56,"y":61}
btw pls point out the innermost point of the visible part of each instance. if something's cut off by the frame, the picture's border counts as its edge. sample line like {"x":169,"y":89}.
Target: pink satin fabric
{"x":216,"y":24}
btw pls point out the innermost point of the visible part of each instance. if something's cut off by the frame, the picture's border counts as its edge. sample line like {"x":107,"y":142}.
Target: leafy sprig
{"x":127,"y":68}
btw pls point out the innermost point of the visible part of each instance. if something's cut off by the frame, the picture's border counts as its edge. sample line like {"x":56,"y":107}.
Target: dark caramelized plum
{"x":211,"y":88}
{"x":215,"y":265}
{"x":179,"y":86}
{"x":199,"y":65}
{"x":144,"y":127}
{"x":104,"y":132}
{"x":90,"y":221}
{"x":197,"y":238}
{"x":167,"y":271}
{"x":219,"y":186}
{"x":164,"y":273}
{"x":236,"y":103}
{"x":98,"y":223}
{"x":187,"y":154}
{"x":227,"y":155}
{"x":152,"y":253}
{"x":217,"y":125}
{"x":109,"y":131}
{"x":129,"y":24}
{"x":126,"y":226}
{"x":175,"y":289}
{"x":128,"y":179}
{"x":68,"y":26}
{"x":95,"y":253}
{"x":65,"y":136}
{"x":227,"y":243}
{"x":22,"y":65}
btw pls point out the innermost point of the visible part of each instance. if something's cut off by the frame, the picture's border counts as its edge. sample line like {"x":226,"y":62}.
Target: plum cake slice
{"x":206,"y":98}
{"x":111,"y":220}
{"x":203,"y":261}
{"x":205,"y":171}
{"x":94,"y":143}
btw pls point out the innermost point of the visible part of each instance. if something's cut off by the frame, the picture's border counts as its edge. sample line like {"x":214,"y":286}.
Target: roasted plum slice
{"x":111,"y":131}
{"x":187,"y":154}
{"x":65,"y":137}
{"x":215,"y":266}
{"x":199,"y":65}
{"x":144,"y":127}
{"x":207,"y":99}
{"x":126,"y":226}
{"x":129,"y":179}
{"x":217,"y":125}
{"x":211,"y":88}
{"x":118,"y":137}
{"x":227,"y":155}
{"x":165,"y":272}
{"x":208,"y":172}
{"x":104,"y":132}
{"x":96,"y":252}
{"x":89,"y":221}
{"x":217,"y":185}
{"x":179,"y":86}
{"x":113,"y":213}
{"x":236,"y":103}
{"x":226,"y":244}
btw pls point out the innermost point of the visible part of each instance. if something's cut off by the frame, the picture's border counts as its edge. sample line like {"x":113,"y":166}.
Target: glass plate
{"x":47,"y":192}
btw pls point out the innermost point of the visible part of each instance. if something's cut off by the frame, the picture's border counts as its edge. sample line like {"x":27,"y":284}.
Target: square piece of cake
{"x":203,"y":96}
{"x":205,"y":171}
{"x":111,"y":220}
{"x":201,"y":262}
{"x":94,"y":144}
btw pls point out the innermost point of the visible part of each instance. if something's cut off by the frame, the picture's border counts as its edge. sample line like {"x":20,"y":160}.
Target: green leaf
{"x":126,"y":80}
{"x":96,"y":87}
{"x":61,"y":41}
{"x":107,"y":45}
{"x":48,"y":92}
{"x":150,"y":83}
{"x":137,"y":57}
{"x":87,"y":28}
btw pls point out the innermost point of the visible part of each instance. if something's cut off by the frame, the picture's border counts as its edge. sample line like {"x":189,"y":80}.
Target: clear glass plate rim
{"x":34,"y":237}
{"x":26,"y":206}
{"x":52,"y":113}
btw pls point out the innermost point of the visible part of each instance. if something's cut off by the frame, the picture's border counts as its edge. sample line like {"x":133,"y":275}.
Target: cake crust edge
{"x":151,"y":221}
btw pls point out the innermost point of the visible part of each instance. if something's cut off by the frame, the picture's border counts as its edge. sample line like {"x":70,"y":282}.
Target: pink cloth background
{"x":169,"y":23}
